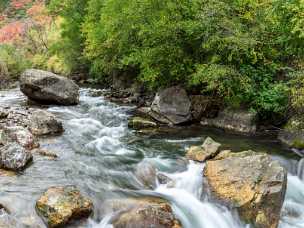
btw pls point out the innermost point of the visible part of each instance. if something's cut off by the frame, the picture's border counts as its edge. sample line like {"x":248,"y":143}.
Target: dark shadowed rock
{"x":60,"y":205}
{"x":3,"y":113}
{"x":47,"y":87}
{"x":240,"y":121}
{"x":250,"y":182}
{"x":44,"y":123}
{"x":14,"y":157}
{"x":171,"y":106}
{"x":203,"y":106}
{"x":208,"y":150}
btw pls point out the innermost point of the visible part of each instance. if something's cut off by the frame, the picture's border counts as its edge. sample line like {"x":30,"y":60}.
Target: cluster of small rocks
{"x":20,"y":129}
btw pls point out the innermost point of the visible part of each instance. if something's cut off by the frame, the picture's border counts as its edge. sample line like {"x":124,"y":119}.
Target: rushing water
{"x":99,"y":154}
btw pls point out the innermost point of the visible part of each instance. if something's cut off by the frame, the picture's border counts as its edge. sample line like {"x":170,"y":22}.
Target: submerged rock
{"x":208,"y":150}
{"x":7,"y":221}
{"x":60,"y":205}
{"x":171,"y":106}
{"x":146,"y":173}
{"x":47,"y":87}
{"x":14,"y":157}
{"x":138,"y":123}
{"x":240,"y":121}
{"x":250,"y":182}
{"x":44,"y":123}
{"x":144,"y":213}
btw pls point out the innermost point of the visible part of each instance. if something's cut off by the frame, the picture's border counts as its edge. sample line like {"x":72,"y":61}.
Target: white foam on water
{"x":293,"y":208}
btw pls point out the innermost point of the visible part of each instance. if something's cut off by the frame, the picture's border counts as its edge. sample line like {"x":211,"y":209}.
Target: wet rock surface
{"x":208,"y":150}
{"x":47,"y":87}
{"x":61,"y":205}
{"x":252,"y":183}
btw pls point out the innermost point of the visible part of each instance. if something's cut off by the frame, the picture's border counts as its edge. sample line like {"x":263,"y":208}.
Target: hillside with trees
{"x":246,"y":53}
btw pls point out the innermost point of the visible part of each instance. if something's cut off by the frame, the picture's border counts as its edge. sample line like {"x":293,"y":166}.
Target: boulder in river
{"x":208,"y":150}
{"x":144,"y":213}
{"x":14,"y":157}
{"x":293,"y":133}
{"x":240,"y":121}
{"x":46,"y":87}
{"x":60,"y":205}
{"x":252,"y":183}
{"x":171,"y":106}
{"x":138,"y":123}
{"x":44,"y":123}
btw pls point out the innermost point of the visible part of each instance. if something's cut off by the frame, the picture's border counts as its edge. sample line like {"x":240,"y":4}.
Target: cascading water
{"x":99,"y":154}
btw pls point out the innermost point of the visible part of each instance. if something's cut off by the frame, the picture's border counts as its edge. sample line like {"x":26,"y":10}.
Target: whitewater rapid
{"x":99,"y":154}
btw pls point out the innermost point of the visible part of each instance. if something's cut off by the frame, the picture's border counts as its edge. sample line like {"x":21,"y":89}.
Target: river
{"x":99,"y":154}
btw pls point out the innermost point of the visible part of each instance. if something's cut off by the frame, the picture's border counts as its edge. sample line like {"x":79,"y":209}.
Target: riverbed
{"x":99,"y":154}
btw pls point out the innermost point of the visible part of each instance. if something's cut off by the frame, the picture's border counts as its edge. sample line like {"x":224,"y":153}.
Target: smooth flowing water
{"x":99,"y":154}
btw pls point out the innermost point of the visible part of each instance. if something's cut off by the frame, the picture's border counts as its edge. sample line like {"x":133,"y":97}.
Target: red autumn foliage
{"x":36,"y":17}
{"x":19,"y":4}
{"x":12,"y":32}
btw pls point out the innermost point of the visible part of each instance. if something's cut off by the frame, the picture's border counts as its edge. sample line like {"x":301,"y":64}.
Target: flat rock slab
{"x":60,"y":205}
{"x":250,"y":182}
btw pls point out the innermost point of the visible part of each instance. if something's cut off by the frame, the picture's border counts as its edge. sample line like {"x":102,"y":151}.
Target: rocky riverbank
{"x":249,"y":182}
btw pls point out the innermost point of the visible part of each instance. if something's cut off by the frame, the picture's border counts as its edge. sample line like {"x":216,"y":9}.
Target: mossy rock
{"x":139,"y":123}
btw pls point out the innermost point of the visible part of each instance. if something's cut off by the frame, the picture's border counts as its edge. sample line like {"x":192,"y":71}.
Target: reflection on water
{"x":99,"y":154}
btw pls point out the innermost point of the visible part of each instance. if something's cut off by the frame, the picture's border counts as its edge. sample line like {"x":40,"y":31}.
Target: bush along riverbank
{"x":242,"y":58}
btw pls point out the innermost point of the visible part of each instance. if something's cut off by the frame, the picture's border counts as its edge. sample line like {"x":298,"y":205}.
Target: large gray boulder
{"x":44,"y":123}
{"x":237,"y":120}
{"x":14,"y":157}
{"x":46,"y":87}
{"x":171,"y":106}
{"x":252,"y":183}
